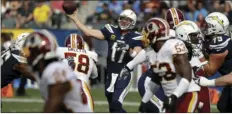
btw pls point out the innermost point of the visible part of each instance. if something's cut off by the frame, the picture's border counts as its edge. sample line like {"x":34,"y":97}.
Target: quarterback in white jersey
{"x":57,"y":82}
{"x":82,"y":62}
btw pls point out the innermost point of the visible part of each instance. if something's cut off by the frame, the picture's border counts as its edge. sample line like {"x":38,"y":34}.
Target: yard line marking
{"x":23,"y":100}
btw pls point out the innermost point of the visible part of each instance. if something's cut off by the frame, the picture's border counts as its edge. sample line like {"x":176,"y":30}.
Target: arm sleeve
{"x":94,"y":73}
{"x":139,"y":58}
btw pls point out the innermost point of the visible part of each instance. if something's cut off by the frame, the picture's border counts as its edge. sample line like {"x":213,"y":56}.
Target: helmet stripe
{"x":73,"y":40}
{"x":174,"y":16}
{"x":177,"y":18}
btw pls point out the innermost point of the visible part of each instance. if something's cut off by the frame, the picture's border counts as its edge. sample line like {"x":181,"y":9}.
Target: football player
{"x":57,"y":82}
{"x":82,"y":62}
{"x":173,"y":17}
{"x":122,"y":48}
{"x":219,"y":48}
{"x":169,"y":62}
{"x":190,"y":34}
{"x":13,"y":63}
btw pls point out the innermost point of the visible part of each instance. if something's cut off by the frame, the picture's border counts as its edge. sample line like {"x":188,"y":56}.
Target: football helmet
{"x":155,"y":29}
{"x":127,"y":19}
{"x":20,"y":40}
{"x":173,"y":17}
{"x":190,"y":33}
{"x":217,"y":23}
{"x":39,"y":45}
{"x":74,"y":41}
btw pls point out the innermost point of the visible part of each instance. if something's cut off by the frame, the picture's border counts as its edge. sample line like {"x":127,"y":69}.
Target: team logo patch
{"x":217,"y":19}
{"x":112,"y":37}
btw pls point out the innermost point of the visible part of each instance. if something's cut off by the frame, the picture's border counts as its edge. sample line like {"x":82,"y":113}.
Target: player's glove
{"x":202,"y":81}
{"x":125,"y":72}
{"x":170,"y":103}
{"x":142,"y":107}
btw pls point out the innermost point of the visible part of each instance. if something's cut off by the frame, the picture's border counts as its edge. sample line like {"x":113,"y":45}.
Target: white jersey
{"x":59,"y":72}
{"x":81,"y":61}
{"x":162,"y":63}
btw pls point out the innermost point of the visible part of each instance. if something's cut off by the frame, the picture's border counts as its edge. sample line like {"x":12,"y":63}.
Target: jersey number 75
{"x":82,"y":62}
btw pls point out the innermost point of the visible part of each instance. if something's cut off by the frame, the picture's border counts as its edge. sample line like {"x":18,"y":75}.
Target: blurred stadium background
{"x":20,"y":16}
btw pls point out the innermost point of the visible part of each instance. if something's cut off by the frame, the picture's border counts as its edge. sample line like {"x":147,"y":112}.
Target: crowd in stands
{"x":49,"y":14}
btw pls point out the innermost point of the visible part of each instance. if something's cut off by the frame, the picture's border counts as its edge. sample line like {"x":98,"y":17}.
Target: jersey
{"x":9,"y":58}
{"x":162,"y":64}
{"x":60,"y":72}
{"x":118,"y":46}
{"x":220,"y":44}
{"x":80,"y":60}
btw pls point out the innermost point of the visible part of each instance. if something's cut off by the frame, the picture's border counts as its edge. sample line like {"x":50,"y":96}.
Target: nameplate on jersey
{"x":77,"y":50}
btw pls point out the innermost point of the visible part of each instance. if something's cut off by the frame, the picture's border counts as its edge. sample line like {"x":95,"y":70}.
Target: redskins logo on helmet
{"x":39,"y":45}
{"x":174,"y":16}
{"x":155,"y":29}
{"x":74,"y":41}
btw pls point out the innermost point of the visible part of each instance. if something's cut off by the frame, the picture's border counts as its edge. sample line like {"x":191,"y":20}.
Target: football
{"x":69,"y":6}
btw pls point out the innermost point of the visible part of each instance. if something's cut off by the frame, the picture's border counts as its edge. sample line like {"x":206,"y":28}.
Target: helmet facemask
{"x":196,"y":40}
{"x":125,"y":23}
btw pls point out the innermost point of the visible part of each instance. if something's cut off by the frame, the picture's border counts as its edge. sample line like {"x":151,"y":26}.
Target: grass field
{"x":34,"y":103}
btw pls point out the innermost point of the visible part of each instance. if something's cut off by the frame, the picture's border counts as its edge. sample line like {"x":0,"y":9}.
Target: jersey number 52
{"x":83,"y":62}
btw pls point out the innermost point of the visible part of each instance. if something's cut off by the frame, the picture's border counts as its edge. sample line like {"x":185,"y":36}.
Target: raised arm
{"x":87,"y":31}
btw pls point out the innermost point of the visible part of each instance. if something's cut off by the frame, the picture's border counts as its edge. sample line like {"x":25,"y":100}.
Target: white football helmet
{"x":189,"y":32}
{"x":217,"y":23}
{"x":127,"y":19}
{"x":21,"y":39}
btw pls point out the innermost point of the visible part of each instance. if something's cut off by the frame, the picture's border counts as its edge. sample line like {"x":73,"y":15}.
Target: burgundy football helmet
{"x":155,"y":29}
{"x":173,"y":17}
{"x":39,"y":45}
{"x":74,"y":41}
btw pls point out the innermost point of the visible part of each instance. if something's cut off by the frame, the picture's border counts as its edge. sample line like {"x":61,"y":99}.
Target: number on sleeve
{"x":83,"y":62}
{"x":180,"y":48}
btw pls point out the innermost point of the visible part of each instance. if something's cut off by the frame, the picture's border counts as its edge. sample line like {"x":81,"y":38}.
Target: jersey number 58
{"x":83,"y":62}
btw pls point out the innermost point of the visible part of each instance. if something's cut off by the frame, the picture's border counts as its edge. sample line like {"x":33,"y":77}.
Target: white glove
{"x":198,"y":53}
{"x":202,"y":81}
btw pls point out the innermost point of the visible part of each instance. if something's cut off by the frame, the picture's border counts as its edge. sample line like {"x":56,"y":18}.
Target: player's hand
{"x":124,"y":72}
{"x":74,"y":15}
{"x":202,"y":81}
{"x":170,"y":103}
{"x":142,"y":108}
{"x":198,"y":53}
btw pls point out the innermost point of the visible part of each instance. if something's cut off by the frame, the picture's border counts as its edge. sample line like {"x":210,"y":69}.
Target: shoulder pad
{"x":109,"y":27}
{"x":219,"y":42}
